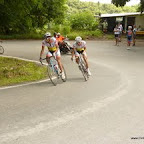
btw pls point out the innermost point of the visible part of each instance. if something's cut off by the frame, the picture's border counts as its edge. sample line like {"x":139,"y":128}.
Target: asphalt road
{"x":107,"y":109}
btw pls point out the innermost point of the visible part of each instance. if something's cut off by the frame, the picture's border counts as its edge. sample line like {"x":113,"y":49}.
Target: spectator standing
{"x":121,"y":30}
{"x":129,"y":36}
{"x":134,"y":34}
{"x":105,"y":26}
{"x":116,"y":33}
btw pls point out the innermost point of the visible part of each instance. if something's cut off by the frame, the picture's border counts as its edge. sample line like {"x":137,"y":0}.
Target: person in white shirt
{"x":134,"y":34}
{"x":120,"y":30}
{"x":117,"y":33}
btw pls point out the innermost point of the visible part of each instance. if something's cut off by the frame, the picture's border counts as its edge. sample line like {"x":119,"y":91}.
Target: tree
{"x":123,"y":2}
{"x":142,"y":6}
{"x":119,"y":2}
{"x":77,"y":6}
{"x":22,"y":16}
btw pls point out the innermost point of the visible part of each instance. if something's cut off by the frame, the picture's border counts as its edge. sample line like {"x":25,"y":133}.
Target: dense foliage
{"x":21,"y":16}
{"x":75,"y":6}
{"x":83,"y":21}
{"x":38,"y":16}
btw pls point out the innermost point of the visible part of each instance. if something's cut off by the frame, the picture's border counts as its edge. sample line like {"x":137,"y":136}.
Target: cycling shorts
{"x":50,"y":53}
{"x":77,"y":53}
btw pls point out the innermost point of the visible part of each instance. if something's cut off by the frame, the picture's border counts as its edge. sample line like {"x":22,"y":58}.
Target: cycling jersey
{"x":60,"y":39}
{"x":50,"y":46}
{"x":79,"y":47}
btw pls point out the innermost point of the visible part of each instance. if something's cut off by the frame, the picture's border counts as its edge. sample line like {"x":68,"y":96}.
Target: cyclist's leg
{"x":48,"y":55}
{"x":58,"y":58}
{"x":77,"y":57}
{"x":85,"y":59}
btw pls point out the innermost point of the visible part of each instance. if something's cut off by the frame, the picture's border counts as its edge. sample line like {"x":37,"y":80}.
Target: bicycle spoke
{"x":52,"y":75}
{"x":83,"y":68}
{"x":84,"y":72}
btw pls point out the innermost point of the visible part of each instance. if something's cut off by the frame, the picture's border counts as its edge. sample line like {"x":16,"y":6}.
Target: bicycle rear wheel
{"x":1,"y":50}
{"x":52,"y":75}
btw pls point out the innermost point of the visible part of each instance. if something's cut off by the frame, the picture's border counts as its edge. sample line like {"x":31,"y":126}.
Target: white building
{"x":126,"y":19}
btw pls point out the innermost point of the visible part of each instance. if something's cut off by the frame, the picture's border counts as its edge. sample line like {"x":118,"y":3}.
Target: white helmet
{"x":58,"y":33}
{"x":78,"y":39}
{"x":48,"y":34}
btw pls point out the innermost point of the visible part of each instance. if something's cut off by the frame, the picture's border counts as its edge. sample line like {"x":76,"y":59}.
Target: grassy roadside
{"x":14,"y":71}
{"x":71,"y":35}
{"x":90,"y":35}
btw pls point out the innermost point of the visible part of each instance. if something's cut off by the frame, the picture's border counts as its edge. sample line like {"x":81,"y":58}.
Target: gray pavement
{"x":107,"y":109}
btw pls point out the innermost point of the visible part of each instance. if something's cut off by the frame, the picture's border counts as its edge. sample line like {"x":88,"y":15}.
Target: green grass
{"x":71,"y":35}
{"x":110,"y":36}
{"x":85,"y":34}
{"x":14,"y":71}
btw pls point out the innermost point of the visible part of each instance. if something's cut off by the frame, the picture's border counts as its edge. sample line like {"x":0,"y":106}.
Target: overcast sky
{"x":132,"y":2}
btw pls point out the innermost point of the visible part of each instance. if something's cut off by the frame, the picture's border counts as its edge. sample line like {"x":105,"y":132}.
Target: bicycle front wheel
{"x":65,"y":76}
{"x":52,"y":75}
{"x":1,"y":50}
{"x":84,"y":72}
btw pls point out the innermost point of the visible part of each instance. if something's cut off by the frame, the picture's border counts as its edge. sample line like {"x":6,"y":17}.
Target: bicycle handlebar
{"x":42,"y":60}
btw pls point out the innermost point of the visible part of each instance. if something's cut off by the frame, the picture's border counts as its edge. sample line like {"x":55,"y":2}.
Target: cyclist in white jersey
{"x":80,"y":47}
{"x":51,"y":44}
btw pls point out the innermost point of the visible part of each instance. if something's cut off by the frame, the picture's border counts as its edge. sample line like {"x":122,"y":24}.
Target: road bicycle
{"x":82,"y":67}
{"x":53,"y":70}
{"x":1,"y":49}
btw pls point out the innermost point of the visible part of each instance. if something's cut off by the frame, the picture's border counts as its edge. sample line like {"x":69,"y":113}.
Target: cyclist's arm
{"x":57,"y":46}
{"x":84,"y":45}
{"x":73,"y":51}
{"x":42,"y":51}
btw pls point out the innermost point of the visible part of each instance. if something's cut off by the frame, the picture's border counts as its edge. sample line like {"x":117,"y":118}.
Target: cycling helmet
{"x":48,"y":34}
{"x":58,"y":34}
{"x":78,"y":39}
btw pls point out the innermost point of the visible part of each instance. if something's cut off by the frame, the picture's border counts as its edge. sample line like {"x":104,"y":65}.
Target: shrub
{"x":83,"y":21}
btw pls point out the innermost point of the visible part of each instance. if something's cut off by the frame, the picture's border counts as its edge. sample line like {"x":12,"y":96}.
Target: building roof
{"x":121,"y":14}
